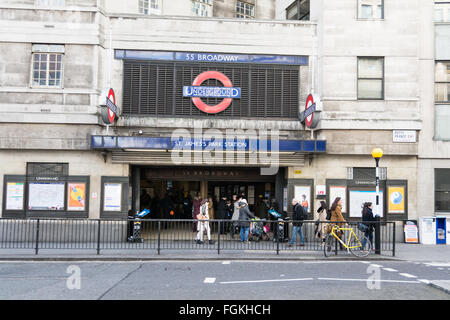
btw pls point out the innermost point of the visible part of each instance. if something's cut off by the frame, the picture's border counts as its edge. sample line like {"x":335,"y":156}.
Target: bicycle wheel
{"x":328,"y":245}
{"x":357,"y":249}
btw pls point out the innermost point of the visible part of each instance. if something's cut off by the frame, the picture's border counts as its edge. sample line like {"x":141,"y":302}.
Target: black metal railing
{"x":172,"y":234}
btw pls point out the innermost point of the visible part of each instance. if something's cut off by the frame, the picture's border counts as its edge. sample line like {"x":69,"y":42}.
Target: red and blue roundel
{"x":109,"y":109}
{"x":197,"y":91}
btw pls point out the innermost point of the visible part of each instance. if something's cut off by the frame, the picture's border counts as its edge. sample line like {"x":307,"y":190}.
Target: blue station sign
{"x":210,"y":57}
{"x":167,"y":143}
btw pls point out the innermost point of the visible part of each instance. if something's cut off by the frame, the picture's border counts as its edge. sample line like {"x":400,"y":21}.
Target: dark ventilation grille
{"x":156,"y":89}
{"x":47,"y":169}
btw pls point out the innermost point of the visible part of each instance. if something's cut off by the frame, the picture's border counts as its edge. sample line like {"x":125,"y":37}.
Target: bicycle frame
{"x":352,"y":234}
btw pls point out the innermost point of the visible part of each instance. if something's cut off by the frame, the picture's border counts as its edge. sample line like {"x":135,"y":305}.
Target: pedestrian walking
{"x":245,"y":215}
{"x":367,"y":220}
{"x":337,"y":217}
{"x":211,"y":208}
{"x":235,"y":216}
{"x":203,"y":223}
{"x":196,"y":209}
{"x":298,"y":215}
{"x":321,"y":230}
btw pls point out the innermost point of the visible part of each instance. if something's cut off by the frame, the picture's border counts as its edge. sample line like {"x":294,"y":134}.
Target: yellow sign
{"x":396,"y":199}
{"x":298,"y":171}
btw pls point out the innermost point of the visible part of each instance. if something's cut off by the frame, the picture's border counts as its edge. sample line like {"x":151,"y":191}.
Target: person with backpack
{"x":298,"y":215}
{"x":324,"y":215}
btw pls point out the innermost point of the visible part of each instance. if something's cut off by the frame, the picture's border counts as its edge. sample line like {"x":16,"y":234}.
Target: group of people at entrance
{"x":235,"y":209}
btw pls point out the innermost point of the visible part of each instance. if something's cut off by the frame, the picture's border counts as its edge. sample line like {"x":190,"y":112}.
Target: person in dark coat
{"x":196,"y":210}
{"x":263,"y":209}
{"x":245,"y":215}
{"x":166,"y":206}
{"x":298,"y":215}
{"x":368,"y":219}
{"x":222,"y":213}
{"x":187,"y":206}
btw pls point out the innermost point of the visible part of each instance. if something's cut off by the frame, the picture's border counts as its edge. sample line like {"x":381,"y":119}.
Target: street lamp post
{"x":377,"y":153}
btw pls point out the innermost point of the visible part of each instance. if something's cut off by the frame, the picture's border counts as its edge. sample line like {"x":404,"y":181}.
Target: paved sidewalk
{"x":403,"y":252}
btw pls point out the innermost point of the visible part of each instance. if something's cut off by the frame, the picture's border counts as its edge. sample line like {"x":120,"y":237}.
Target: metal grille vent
{"x":155,"y":89}
{"x":36,"y":169}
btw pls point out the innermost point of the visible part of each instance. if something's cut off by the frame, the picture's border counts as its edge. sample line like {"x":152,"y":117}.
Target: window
{"x":442,"y":190}
{"x":442,"y":100}
{"x":442,"y":12}
{"x":298,"y":10}
{"x":442,"y":82}
{"x":245,"y":10}
{"x":149,"y":6}
{"x":370,"y":78}
{"x":201,"y":8}
{"x":50,"y":3}
{"x":371,"y":9}
{"x":47,"y":65}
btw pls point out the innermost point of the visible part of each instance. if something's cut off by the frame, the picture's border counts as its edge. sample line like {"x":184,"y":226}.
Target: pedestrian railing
{"x":169,"y":234}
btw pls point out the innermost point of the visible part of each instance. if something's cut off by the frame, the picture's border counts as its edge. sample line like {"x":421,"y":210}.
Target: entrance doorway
{"x":169,"y":191}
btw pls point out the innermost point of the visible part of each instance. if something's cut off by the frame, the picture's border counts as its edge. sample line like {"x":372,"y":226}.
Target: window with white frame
{"x":442,"y":12}
{"x":442,"y":82}
{"x":370,"y":78}
{"x":149,"y":7}
{"x":50,"y":3}
{"x":442,"y":100}
{"x":201,"y":8}
{"x":370,"y":9}
{"x":47,"y":66}
{"x":245,"y":10}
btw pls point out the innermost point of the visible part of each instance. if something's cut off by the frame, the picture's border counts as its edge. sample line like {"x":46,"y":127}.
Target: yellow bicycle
{"x":354,"y":244}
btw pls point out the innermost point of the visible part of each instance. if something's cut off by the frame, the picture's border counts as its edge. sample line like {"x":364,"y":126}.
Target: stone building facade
{"x":365,"y":64}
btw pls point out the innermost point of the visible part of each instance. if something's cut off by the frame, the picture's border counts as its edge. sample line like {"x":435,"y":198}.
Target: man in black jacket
{"x":298,"y":216}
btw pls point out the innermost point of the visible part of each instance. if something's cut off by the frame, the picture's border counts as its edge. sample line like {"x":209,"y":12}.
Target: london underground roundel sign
{"x":197,"y":91}
{"x":108,"y":103}
{"x":310,"y":117}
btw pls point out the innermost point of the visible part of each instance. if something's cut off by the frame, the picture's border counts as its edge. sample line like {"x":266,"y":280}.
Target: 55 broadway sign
{"x":197,"y":91}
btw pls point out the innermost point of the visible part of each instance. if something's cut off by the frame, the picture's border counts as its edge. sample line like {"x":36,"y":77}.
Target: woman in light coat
{"x":322,"y":218}
{"x":203,"y":225}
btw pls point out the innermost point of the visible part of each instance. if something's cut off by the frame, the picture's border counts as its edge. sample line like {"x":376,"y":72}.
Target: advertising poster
{"x":77,"y":196}
{"x":14,"y":196}
{"x":303,"y":195}
{"x":113,"y":197}
{"x":341,"y":192}
{"x":411,"y":232}
{"x":396,"y":196}
{"x":46,"y":196}
{"x":357,"y":199}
